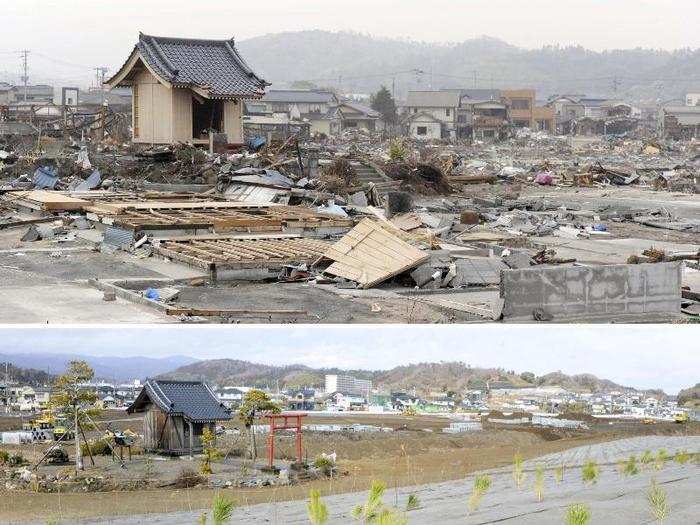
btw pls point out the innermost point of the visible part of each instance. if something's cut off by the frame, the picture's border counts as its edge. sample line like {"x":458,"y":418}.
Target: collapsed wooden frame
{"x":232,"y":253}
{"x":216,"y":215}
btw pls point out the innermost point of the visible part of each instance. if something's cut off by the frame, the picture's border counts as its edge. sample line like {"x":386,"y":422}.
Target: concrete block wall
{"x":578,"y":292}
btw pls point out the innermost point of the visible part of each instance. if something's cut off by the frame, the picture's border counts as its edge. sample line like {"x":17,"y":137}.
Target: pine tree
{"x":383,"y":102}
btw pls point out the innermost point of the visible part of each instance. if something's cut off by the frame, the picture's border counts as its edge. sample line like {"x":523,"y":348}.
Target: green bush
{"x":16,"y":460}
{"x":99,"y":447}
{"x":4,"y":456}
{"x":324,"y":464}
{"x":590,"y":472}
{"x":682,"y":457}
{"x":577,"y":514}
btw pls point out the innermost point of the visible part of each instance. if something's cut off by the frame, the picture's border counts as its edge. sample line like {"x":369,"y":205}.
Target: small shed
{"x":176,"y":414}
{"x":183,"y":89}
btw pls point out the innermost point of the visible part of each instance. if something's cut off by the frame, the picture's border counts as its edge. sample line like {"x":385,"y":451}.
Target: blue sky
{"x":643,"y":356}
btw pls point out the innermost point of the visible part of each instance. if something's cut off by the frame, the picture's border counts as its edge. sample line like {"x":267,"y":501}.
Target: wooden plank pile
{"x":371,"y":253}
{"x":43,"y":200}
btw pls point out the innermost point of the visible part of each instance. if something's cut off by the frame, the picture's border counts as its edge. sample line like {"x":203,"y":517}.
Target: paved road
{"x":613,"y":499}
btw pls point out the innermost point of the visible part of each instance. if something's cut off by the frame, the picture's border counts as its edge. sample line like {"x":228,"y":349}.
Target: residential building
{"x":692,"y":99}
{"x":176,"y":414}
{"x":278,"y":127}
{"x":38,"y":93}
{"x":358,"y":116}
{"x":303,"y":399}
{"x":680,"y":122}
{"x":567,"y":109}
{"x":525,"y":113}
{"x":6,"y":94}
{"x":347,"y":385}
{"x":319,"y":108}
{"x":431,"y":114}
{"x":183,"y":90}
{"x":346,"y":402}
{"x":231,"y":396}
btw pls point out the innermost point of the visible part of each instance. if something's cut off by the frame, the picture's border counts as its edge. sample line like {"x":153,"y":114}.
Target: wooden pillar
{"x":189,"y":423}
{"x":299,"y":451}
{"x":271,"y":443}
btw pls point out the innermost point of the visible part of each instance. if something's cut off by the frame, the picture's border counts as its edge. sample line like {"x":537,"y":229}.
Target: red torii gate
{"x":284,"y":421}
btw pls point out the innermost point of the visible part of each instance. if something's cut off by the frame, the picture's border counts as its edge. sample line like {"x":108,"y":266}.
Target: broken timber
{"x":370,"y":253}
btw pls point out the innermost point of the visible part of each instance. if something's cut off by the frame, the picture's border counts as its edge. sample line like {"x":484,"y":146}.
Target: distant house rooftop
{"x":192,"y":400}
{"x":366,"y":111}
{"x":305,"y":96}
{"x":433,"y":99}
{"x":212,"y":68}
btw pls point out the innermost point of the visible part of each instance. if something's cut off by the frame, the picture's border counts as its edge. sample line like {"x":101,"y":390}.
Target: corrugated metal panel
{"x":91,"y":182}
{"x":45,"y":177}
{"x":118,"y":237}
{"x":248,"y":193}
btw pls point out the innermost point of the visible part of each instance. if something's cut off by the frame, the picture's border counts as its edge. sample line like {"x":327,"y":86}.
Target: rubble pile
{"x":419,"y":220}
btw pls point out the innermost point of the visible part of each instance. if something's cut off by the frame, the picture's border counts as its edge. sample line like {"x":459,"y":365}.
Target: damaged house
{"x":318,"y":108}
{"x":185,"y":89}
{"x":680,"y":122}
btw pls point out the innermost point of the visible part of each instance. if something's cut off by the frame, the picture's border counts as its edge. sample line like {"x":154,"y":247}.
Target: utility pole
{"x":100,"y":76}
{"x":25,"y":77}
{"x":616,"y":83}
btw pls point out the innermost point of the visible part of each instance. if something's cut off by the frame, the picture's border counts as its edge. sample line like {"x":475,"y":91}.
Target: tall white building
{"x":347,"y":385}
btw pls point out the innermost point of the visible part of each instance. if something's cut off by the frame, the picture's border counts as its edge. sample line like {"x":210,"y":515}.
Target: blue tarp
{"x":256,"y":142}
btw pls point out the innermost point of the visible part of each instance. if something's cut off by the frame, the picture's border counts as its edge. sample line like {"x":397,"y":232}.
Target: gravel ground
{"x":614,"y":498}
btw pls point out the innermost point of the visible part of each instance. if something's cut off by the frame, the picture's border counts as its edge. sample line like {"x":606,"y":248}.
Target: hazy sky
{"x":82,"y":34}
{"x":643,"y":356}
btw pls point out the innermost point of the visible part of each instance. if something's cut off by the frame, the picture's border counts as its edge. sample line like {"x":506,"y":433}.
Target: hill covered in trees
{"x":421,"y":377}
{"x":354,"y":62}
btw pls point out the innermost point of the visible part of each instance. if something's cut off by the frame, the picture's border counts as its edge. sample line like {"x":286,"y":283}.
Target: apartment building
{"x":347,"y":385}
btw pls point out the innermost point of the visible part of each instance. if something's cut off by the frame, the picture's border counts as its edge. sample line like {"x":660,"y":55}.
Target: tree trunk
{"x":76,"y":439}
{"x":253,"y":447}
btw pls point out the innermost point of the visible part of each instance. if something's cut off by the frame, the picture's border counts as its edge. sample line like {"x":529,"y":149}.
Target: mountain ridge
{"x":421,"y":377}
{"x":357,"y":62}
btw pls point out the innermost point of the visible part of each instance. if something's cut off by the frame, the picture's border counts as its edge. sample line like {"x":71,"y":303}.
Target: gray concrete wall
{"x":571,"y":292}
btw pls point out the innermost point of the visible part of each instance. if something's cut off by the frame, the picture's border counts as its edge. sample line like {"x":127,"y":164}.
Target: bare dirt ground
{"x":408,"y":456}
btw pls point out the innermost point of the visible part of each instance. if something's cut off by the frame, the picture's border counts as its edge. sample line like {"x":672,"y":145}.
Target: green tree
{"x":254,"y":402}
{"x":72,"y":399}
{"x":210,"y":451}
{"x":384,"y":103}
{"x":317,"y":510}
{"x":528,"y":376}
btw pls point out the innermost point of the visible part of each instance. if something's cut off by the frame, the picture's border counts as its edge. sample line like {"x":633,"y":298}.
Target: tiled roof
{"x":192,"y":400}
{"x":433,"y":99}
{"x":361,"y":108}
{"x":212,"y":65}
{"x":300,"y":96}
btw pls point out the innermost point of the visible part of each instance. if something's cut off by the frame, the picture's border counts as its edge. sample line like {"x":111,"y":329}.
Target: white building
{"x":347,"y":385}
{"x":692,"y":99}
